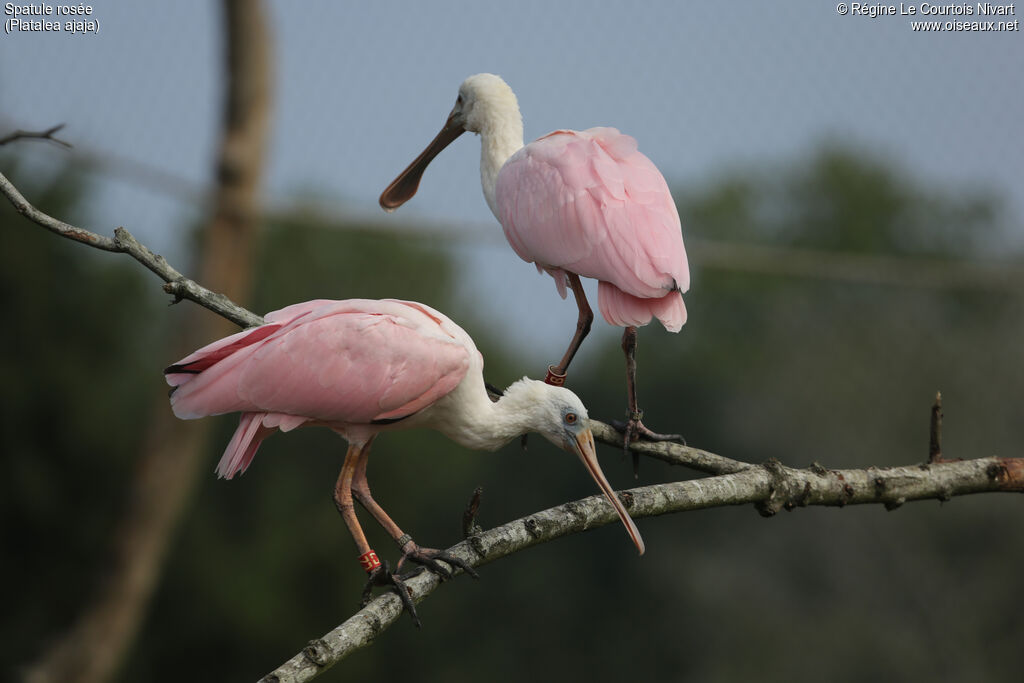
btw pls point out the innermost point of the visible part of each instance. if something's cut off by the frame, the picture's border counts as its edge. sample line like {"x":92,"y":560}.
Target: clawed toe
{"x":633,"y":429}
{"x":647,"y":435}
{"x":382,"y":576}
{"x":428,"y":557}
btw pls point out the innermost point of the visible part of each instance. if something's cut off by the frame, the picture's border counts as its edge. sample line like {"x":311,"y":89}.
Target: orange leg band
{"x":369,"y":561}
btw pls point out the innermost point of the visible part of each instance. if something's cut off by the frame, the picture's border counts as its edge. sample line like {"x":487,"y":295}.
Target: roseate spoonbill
{"x":361,"y":367}
{"x":575,"y":203}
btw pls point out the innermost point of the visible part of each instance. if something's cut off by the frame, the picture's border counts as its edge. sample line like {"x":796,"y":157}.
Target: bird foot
{"x":382,"y":576}
{"x":428,"y":557}
{"x":632,"y":429}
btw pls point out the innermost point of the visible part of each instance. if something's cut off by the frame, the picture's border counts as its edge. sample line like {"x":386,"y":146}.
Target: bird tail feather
{"x":243,"y":445}
{"x":626,"y":310}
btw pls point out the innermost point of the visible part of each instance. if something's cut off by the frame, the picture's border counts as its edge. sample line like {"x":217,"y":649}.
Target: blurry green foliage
{"x":77,"y":376}
{"x":767,"y":366}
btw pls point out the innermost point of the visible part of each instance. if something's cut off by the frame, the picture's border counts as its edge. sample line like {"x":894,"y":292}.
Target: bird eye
{"x":570,"y":418}
{"x":458,"y":100}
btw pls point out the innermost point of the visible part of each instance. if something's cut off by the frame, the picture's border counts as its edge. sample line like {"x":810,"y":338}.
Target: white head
{"x":555,"y":413}
{"x":485,"y":101}
{"x":485,"y":105}
{"x":560,"y":417}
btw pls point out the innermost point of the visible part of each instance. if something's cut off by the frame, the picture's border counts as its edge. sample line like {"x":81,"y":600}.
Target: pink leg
{"x":428,"y":557}
{"x":343,"y":497}
{"x":379,"y":573}
{"x":634,"y":425}
{"x":556,"y":374}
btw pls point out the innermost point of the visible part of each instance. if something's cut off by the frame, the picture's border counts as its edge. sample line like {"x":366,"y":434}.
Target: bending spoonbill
{"x":575,"y":203}
{"x":361,"y":367}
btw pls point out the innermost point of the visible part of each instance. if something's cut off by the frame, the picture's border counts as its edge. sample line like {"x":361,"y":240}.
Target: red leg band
{"x":553,"y":378}
{"x":369,"y":561}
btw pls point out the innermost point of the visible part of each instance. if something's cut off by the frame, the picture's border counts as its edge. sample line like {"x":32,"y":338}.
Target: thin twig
{"x":124,"y":242}
{"x":469,"y":525}
{"x":771,"y":487}
{"x":47,"y":134}
{"x":935,"y":438}
{"x":670,"y":452}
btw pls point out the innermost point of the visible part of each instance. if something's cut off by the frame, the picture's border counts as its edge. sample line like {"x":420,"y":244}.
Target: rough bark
{"x":124,"y":242}
{"x":770,"y":487}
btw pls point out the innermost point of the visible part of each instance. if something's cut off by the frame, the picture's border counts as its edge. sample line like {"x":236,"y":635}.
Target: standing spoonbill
{"x":575,"y":203}
{"x":361,"y":367}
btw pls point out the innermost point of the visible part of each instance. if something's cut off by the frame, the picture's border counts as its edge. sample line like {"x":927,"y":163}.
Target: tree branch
{"x":48,"y":134}
{"x":770,"y":487}
{"x":935,"y":435}
{"x":124,"y":242}
{"x":670,"y":452}
{"x":184,"y":288}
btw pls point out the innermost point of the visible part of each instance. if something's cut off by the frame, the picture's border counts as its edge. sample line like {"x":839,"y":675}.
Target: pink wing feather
{"x":590,"y":203}
{"x":339,"y":363}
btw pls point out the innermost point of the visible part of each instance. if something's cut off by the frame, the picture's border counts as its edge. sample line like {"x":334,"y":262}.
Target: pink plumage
{"x":349,"y":365}
{"x":361,"y":367}
{"x":588,"y":202}
{"x":574,"y":203}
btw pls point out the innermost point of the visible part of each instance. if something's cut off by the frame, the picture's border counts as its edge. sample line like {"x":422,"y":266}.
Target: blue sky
{"x":362,"y":87}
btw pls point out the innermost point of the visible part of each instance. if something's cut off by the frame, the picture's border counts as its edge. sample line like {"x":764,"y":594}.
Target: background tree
{"x":796,"y":368}
{"x":168,"y":457}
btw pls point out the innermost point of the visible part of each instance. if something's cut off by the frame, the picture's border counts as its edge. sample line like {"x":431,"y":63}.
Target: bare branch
{"x":47,"y":134}
{"x":672,"y":453}
{"x":124,"y":242}
{"x":469,"y":525}
{"x":50,"y":223}
{"x":935,"y":437}
{"x":770,"y":487}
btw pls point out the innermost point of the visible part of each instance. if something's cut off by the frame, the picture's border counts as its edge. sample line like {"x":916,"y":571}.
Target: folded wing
{"x":590,"y":203}
{"x":332,"y":362}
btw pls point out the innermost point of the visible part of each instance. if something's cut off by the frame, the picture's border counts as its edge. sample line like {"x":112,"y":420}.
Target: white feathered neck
{"x":492,"y":111}
{"x":469,"y":417}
